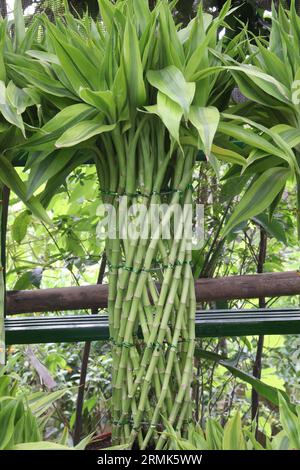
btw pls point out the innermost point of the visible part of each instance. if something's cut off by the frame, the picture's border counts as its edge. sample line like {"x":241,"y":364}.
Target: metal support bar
{"x":209,"y":323}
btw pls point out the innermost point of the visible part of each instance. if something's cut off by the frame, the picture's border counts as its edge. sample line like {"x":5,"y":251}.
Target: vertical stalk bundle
{"x":152,"y":376}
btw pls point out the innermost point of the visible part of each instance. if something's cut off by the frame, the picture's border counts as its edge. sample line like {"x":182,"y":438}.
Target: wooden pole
{"x":95,"y":296}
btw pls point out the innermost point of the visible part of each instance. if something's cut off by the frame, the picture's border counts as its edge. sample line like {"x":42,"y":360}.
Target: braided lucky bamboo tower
{"x":140,"y":96}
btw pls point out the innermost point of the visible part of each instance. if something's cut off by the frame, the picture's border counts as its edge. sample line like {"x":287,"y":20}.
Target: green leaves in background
{"x":22,"y":416}
{"x":20,"y":226}
{"x":273,"y":227}
{"x":29,"y":280}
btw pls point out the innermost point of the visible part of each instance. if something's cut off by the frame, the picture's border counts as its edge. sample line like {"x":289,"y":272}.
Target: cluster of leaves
{"x":23,"y":416}
{"x":236,"y":437}
{"x":62,"y":68}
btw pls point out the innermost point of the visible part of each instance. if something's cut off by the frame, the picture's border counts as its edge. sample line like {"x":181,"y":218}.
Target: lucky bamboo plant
{"x":140,"y":96}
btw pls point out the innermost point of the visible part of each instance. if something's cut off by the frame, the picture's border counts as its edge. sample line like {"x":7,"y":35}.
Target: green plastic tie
{"x":141,"y":194}
{"x":134,"y":270}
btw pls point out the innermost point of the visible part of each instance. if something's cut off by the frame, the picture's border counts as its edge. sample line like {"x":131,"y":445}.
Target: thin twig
{"x":84,"y":366}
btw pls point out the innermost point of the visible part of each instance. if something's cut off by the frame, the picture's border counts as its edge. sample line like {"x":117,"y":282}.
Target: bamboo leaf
{"x":107,"y":11}
{"x":102,"y":100}
{"x":282,"y":148}
{"x":20,"y":225}
{"x":228,"y":156}
{"x":258,"y":197}
{"x":55,"y":127}
{"x":171,"y":82}
{"x":214,"y":434}
{"x":169,"y":112}
{"x":8,"y":111}
{"x":133,"y":68}
{"x":3,"y":25}
{"x":206,"y":121}
{"x":18,"y":98}
{"x":10,"y":178}
{"x":81,"y":72}
{"x":55,"y":182}
{"x":265,"y":82}
{"x":272,"y":227}
{"x":142,"y":14}
{"x":41,"y":445}
{"x":19,"y":23}
{"x":47,"y":168}
{"x":248,"y":137}
{"x":81,"y":132}
{"x":39,"y":403}
{"x":171,"y":45}
{"x":42,"y":81}
{"x":7,"y":418}
{"x":44,"y":56}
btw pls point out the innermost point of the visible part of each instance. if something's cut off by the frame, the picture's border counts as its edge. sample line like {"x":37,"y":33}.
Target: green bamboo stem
{"x":158,"y":373}
{"x":188,"y":367}
{"x":131,"y":317}
{"x":171,"y":359}
{"x":164,"y":288}
{"x":169,"y":337}
{"x":159,"y":326}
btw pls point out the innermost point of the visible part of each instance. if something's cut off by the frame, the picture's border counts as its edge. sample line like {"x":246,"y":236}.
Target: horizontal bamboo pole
{"x":95,"y":296}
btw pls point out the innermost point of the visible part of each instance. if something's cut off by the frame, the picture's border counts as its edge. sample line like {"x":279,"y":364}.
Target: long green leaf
{"x":10,"y":178}
{"x":258,"y":197}
{"x":206,"y":121}
{"x":49,"y":167}
{"x":133,"y":69}
{"x":8,"y":111}
{"x":81,"y":132}
{"x":263,"y":389}
{"x":19,"y":23}
{"x":290,"y":422}
{"x":233,"y":438}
